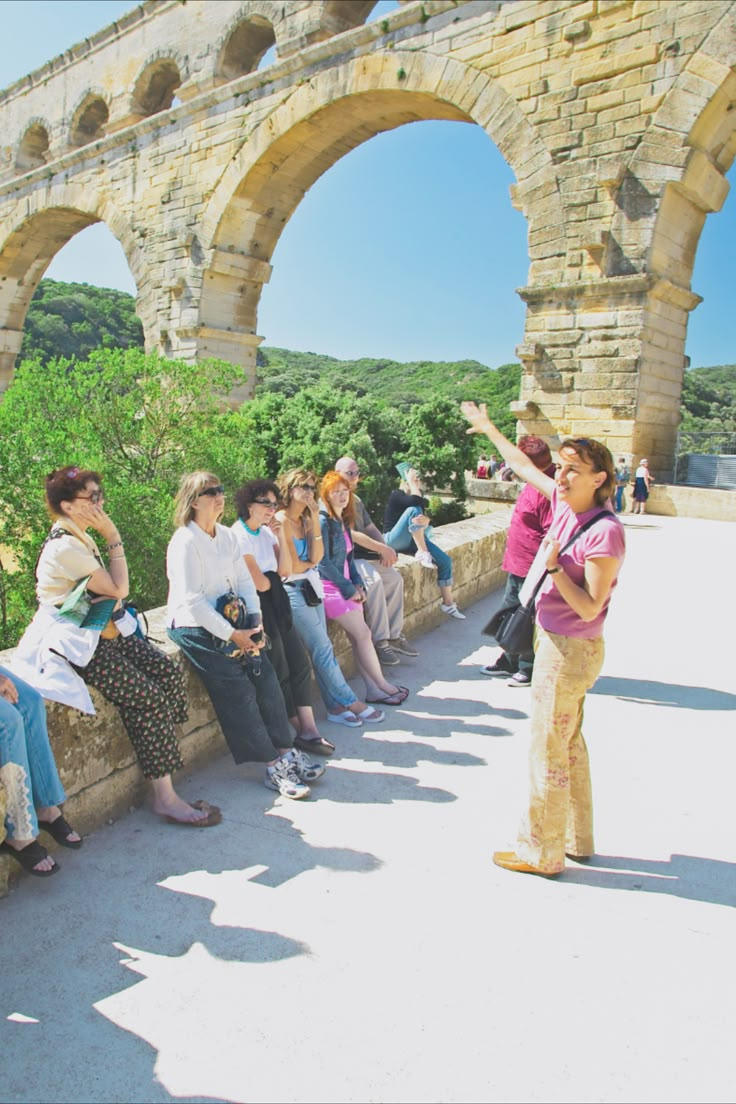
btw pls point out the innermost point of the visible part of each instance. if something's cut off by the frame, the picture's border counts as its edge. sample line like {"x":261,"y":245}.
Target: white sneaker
{"x":282,"y":776}
{"x":452,"y":611}
{"x":305,"y":769}
{"x":424,"y":559}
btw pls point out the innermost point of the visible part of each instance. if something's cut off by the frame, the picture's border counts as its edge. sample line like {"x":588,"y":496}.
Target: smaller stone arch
{"x":244,"y":46}
{"x":156,"y":86}
{"x":343,"y":15}
{"x":89,"y":120}
{"x":33,"y":148}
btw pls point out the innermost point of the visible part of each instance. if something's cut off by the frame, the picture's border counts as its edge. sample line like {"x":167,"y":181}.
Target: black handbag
{"x":513,"y":626}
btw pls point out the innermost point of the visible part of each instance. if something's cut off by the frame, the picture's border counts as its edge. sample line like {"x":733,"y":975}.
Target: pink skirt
{"x":335,"y":604}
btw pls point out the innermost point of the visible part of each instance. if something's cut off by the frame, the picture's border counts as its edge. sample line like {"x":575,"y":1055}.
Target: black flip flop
{"x":29,"y":856}
{"x":60,"y":829}
{"x":318,"y":745}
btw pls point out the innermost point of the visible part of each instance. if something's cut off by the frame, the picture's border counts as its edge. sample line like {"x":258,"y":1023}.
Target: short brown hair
{"x":597,"y":454}
{"x":64,"y":484}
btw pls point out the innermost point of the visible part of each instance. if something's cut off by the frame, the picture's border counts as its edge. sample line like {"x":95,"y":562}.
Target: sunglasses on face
{"x":95,"y":497}
{"x":266,"y":502}
{"x":306,"y":487}
{"x":353,"y":474}
{"x":212,"y":492}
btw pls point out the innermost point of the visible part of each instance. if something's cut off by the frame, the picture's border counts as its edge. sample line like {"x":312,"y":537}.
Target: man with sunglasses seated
{"x":384,"y":586}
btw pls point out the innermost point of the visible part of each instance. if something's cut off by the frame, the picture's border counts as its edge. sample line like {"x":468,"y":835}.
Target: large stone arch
{"x":326,"y":117}
{"x":29,"y":243}
{"x":675,"y":178}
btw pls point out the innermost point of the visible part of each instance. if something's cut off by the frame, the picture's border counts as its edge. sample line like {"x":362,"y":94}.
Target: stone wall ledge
{"x":95,"y":758}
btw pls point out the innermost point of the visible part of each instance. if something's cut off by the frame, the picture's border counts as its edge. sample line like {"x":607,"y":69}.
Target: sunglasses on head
{"x":267,"y":502}
{"x":212,"y":492}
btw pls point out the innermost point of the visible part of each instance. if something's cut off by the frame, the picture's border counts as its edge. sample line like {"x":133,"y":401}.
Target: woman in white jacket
{"x":204,"y":563}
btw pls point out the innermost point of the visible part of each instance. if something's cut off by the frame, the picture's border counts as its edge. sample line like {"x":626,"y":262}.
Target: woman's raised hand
{"x":477,"y":416}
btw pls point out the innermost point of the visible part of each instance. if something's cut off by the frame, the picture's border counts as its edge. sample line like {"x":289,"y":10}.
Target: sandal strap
{"x":60,"y":828}
{"x":29,"y":856}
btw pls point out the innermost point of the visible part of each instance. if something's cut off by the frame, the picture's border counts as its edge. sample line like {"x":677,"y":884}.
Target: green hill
{"x":70,"y":320}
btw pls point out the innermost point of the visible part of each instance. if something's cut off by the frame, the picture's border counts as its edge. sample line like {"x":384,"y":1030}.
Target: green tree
{"x":140,"y":421}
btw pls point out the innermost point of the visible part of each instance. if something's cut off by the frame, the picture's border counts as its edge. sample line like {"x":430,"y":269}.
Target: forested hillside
{"x":70,"y":320}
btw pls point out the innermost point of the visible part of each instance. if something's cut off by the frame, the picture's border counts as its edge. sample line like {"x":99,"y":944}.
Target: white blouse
{"x":200,"y":569}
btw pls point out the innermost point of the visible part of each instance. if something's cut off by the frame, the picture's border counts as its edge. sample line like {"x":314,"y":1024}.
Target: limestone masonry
{"x":616,"y":117}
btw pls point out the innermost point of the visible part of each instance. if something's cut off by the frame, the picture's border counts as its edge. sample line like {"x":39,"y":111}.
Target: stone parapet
{"x":95,"y":758}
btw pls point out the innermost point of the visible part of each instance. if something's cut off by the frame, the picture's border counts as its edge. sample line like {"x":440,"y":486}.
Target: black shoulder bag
{"x":513,"y":626}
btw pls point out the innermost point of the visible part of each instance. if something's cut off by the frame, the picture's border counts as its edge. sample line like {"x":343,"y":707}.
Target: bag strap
{"x":578,"y":533}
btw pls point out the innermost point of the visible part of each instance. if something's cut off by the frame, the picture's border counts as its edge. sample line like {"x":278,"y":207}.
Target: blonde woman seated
{"x":301,"y":521}
{"x":343,"y":587}
{"x":203,"y":564}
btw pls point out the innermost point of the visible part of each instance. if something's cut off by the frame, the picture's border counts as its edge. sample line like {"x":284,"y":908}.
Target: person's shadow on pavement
{"x":689,"y":876}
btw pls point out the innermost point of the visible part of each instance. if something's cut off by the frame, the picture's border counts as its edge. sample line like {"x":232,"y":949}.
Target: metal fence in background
{"x":706,"y":458}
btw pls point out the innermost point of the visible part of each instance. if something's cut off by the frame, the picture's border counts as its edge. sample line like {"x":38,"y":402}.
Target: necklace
{"x":253,"y":532}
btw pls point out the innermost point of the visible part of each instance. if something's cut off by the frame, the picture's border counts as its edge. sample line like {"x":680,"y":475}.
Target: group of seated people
{"x":248,"y":607}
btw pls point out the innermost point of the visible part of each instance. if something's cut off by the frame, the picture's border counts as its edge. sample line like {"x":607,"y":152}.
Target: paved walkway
{"x":362,"y":947}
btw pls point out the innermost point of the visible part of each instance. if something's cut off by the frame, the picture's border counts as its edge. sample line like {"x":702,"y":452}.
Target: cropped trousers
{"x":560,"y":814}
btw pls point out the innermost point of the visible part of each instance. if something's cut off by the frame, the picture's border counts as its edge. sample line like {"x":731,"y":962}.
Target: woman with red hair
{"x":344,"y":593}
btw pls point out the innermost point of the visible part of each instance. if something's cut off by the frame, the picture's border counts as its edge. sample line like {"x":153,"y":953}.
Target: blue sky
{"x":407,"y":248}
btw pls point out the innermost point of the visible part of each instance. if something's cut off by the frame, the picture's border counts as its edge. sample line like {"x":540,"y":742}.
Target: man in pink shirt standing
{"x":529,"y":522}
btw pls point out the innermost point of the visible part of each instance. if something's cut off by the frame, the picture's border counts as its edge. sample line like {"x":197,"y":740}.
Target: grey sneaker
{"x":282,"y":776}
{"x":306,"y":770}
{"x":387,"y":657}
{"x":452,"y":611}
{"x":403,"y":647}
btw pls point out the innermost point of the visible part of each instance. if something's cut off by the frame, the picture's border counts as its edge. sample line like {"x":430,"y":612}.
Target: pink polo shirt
{"x":605,"y":538}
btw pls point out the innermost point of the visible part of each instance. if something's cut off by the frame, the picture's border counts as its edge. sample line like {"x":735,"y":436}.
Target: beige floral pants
{"x":560,"y":816}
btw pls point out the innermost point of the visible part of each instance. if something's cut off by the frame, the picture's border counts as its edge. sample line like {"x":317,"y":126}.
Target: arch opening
{"x":36,"y":245}
{"x":34,"y":148}
{"x":261,"y":203}
{"x":154,"y":90}
{"x":89,"y":121}
{"x":245,"y":47}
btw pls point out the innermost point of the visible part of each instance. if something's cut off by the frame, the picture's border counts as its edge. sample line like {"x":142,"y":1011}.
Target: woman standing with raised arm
{"x":571,"y":609}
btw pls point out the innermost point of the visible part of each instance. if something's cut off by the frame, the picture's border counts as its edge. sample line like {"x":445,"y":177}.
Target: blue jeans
{"x":27,"y":767}
{"x":250,"y":708}
{"x":311,"y":624}
{"x":619,"y":503}
{"x":400,"y":538}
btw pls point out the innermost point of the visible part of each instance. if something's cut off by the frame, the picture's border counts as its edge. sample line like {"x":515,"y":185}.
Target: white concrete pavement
{"x":361,"y":946}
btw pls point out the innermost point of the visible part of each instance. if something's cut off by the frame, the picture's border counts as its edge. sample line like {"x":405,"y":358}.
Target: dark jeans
{"x":514,"y":583}
{"x":250,"y":708}
{"x":288,"y":657}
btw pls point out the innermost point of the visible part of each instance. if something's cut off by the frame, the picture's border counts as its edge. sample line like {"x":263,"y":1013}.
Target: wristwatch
{"x":552,"y":570}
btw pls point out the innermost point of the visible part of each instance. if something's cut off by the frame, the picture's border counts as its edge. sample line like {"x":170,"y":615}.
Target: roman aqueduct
{"x":616,"y":116}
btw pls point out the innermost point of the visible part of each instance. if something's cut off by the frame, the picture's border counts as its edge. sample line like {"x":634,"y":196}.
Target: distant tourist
{"x":493,"y":466}
{"x":407,"y":529}
{"x":384,"y":586}
{"x":623,"y":475}
{"x":530,"y":521}
{"x":65,"y":649}
{"x":571,"y":610}
{"x":642,"y":482}
{"x":481,"y":472}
